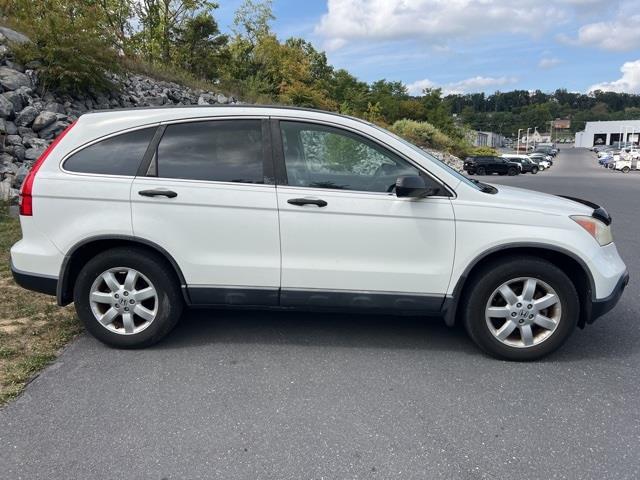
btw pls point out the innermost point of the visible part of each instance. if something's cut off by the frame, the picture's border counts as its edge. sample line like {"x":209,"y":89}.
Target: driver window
{"x":324,"y":157}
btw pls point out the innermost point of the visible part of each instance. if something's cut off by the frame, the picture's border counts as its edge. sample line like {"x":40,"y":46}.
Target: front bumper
{"x":602,"y":306}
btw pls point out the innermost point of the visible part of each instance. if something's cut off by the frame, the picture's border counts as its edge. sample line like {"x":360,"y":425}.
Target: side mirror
{"x":412,"y":186}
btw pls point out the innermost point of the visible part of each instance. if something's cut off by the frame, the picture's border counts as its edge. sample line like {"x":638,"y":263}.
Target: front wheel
{"x":128,"y":297}
{"x":626,"y":169}
{"x":534,"y":170}
{"x":520,"y":309}
{"x":512,"y":171}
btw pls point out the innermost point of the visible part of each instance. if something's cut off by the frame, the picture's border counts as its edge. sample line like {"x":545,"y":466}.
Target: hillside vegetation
{"x":76,"y":45}
{"x":77,"y":42}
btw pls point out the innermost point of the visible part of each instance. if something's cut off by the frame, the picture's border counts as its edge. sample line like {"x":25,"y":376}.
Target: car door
{"x":207,"y":200}
{"x":500,"y":165}
{"x":346,"y":239}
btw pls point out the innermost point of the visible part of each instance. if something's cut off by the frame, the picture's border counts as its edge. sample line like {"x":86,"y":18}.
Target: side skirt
{"x":317,"y":299}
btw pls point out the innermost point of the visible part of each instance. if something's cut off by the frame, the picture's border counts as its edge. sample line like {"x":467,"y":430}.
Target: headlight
{"x":598,"y":230}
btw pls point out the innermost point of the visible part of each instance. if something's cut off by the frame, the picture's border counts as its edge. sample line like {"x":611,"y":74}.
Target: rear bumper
{"x":602,"y":306}
{"x":37,"y":283}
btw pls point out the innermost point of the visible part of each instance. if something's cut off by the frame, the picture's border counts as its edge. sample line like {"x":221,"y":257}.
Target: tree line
{"x":76,"y":43}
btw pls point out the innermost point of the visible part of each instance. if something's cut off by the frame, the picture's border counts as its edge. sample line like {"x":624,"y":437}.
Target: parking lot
{"x":237,"y":395}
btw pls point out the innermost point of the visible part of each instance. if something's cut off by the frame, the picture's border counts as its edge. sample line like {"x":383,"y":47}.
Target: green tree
{"x":73,"y":41}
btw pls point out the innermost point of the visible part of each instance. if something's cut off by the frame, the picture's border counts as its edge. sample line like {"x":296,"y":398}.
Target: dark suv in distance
{"x":490,"y":165}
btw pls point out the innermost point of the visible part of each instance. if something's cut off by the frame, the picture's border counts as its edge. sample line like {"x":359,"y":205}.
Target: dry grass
{"x":33,"y":328}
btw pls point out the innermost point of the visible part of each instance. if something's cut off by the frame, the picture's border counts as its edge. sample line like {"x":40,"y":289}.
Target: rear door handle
{"x":307,"y":201}
{"x":158,"y":193}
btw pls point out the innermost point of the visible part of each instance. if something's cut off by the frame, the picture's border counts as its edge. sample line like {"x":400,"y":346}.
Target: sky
{"x":465,"y":46}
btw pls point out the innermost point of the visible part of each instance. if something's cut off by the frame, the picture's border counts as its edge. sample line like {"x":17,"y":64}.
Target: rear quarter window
{"x":117,"y":155}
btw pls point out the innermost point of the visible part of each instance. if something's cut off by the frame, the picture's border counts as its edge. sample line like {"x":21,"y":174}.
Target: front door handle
{"x":307,"y":201}
{"x":158,"y":193}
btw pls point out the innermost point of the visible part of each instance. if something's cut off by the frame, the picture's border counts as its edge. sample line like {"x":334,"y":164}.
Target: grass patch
{"x":33,"y":328}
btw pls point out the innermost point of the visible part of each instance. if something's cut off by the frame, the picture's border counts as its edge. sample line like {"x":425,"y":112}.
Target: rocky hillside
{"x":30,"y":119}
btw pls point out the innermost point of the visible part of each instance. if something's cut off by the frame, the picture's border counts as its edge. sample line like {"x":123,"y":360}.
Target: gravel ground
{"x":240,"y":395}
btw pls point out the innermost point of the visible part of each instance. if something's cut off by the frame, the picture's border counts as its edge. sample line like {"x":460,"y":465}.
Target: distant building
{"x":607,"y":133}
{"x":487,"y":139}
{"x":562,"y":124}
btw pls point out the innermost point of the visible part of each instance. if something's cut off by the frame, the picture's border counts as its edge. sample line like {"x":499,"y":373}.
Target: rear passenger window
{"x":218,"y":150}
{"x":119,"y":155}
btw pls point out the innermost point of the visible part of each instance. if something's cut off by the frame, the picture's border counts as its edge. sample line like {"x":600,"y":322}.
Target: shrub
{"x":69,"y":40}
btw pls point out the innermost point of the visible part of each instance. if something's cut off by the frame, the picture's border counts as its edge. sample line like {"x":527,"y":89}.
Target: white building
{"x":606,"y":133}
{"x":488,"y":139}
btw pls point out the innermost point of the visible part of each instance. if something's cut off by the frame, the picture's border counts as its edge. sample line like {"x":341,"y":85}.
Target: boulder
{"x":12,"y":79}
{"x":44,"y":119}
{"x":155,"y":101}
{"x":22,"y":172}
{"x":51,"y":131}
{"x":26,"y":116}
{"x":26,"y":132}
{"x":13,"y":140}
{"x":6,"y":107}
{"x":54,"y":107}
{"x":5,"y":189}
{"x":15,"y":98}
{"x":35,"y":142}
{"x":19,"y":152}
{"x":222,"y":99}
{"x":10,"y":128}
{"x":13,"y":36}
{"x":33,"y":153}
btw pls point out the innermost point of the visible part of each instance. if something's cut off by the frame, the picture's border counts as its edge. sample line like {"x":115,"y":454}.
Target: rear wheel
{"x":626,"y":169}
{"x":481,"y":171}
{"x":520,"y":309}
{"x":128,"y":298}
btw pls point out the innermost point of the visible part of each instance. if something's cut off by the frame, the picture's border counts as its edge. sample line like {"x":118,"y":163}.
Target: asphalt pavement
{"x":263,"y":395}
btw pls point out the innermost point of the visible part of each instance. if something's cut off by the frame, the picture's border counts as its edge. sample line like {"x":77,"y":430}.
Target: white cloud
{"x":628,"y":83}
{"x":622,"y":33}
{"x":547,"y":62}
{"x":469,"y":85}
{"x":438,"y":21}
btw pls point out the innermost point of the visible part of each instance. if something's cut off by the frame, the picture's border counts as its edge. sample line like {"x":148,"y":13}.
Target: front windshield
{"x":428,"y":156}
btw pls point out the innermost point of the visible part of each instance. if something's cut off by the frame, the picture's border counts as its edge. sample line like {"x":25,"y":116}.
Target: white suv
{"x":134,"y":214}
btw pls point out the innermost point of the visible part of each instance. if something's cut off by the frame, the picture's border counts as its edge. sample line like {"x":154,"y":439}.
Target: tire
{"x":626,"y":169}
{"x":482,"y":291}
{"x":534,"y":170}
{"x":481,"y":171}
{"x":512,"y":171}
{"x":541,"y":168}
{"x":163,"y":301}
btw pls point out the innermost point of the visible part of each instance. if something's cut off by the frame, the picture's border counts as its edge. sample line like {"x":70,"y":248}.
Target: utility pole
{"x":518,"y":147}
{"x":529,"y":128}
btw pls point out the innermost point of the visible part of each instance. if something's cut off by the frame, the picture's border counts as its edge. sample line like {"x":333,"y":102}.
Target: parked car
{"x":627,"y":162}
{"x":525,"y":162}
{"x":134,"y":215}
{"x":543,"y":161}
{"x":542,"y":164}
{"x":489,"y":165}
{"x":546,"y":150}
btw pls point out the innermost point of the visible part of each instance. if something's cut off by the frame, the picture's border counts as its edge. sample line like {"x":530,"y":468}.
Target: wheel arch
{"x":88,"y":248}
{"x":571,"y":264}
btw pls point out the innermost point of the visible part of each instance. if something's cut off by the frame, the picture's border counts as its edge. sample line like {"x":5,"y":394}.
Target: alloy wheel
{"x":523,"y":312}
{"x":123,"y":300}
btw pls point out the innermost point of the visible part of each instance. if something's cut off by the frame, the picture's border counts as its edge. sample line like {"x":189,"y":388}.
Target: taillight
{"x":26,"y":200}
